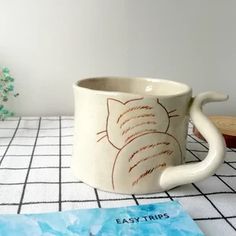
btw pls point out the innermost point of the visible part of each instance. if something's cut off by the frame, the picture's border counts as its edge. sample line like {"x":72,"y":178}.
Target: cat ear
{"x":114,"y":104}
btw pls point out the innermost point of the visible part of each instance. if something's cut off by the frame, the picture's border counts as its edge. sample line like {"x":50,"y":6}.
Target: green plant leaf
{"x":6,"y":90}
{"x":5,"y":70}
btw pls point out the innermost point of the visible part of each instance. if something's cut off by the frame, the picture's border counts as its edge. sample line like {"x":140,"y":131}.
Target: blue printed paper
{"x":167,"y":218}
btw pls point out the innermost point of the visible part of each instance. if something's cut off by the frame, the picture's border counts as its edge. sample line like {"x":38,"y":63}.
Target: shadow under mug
{"x":130,"y":134}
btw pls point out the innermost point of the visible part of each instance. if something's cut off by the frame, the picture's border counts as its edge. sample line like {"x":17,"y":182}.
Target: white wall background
{"x":49,"y":44}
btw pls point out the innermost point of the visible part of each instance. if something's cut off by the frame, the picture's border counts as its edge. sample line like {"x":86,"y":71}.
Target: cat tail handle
{"x":188,"y":173}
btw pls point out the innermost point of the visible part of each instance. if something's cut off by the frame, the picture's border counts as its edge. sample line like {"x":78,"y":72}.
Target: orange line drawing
{"x":124,"y":103}
{"x":133,"y":109}
{"x":146,"y":147}
{"x":101,"y":138}
{"x":172,"y":111}
{"x":108,"y":113}
{"x":147,"y":172}
{"x":136,"y":117}
{"x":168,"y":152}
{"x":140,"y":132}
{"x":168,"y":115}
{"x":173,"y":116}
{"x":104,"y":131}
{"x":137,"y":125}
{"x":164,"y":164}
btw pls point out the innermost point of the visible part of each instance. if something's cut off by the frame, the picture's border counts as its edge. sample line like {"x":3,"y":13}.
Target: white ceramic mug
{"x":130,"y":134}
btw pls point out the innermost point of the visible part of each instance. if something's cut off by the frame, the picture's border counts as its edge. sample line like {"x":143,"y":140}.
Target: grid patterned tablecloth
{"x":35,"y":177}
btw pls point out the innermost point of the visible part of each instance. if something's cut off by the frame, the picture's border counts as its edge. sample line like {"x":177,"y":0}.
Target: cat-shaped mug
{"x":130,"y":134}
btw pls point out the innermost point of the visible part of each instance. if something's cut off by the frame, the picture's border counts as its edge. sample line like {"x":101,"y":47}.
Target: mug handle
{"x":188,"y":173}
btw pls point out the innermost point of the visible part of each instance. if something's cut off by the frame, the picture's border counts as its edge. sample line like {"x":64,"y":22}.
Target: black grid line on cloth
{"x":218,"y":176}
{"x":33,"y":168}
{"x":206,"y":148}
{"x":215,"y":218}
{"x":9,"y":144}
{"x":108,"y":200}
{"x":170,"y":197}
{"x":44,"y":119}
{"x":222,"y":215}
{"x":97,"y":198}
{"x":27,"y":128}
{"x":27,"y":175}
{"x":38,"y":145}
{"x":42,"y":136}
{"x":203,"y":145}
{"x":135,"y":199}
{"x":42,"y":182}
{"x":38,"y":155}
{"x":59,"y":207}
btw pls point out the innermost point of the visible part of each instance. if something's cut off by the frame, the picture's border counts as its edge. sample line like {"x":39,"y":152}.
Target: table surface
{"x":35,"y":177}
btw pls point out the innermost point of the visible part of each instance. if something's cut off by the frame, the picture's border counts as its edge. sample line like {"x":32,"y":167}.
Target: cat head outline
{"x":127,"y":120}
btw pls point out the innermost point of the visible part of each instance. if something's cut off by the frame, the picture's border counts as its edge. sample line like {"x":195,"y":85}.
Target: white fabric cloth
{"x":35,"y":177}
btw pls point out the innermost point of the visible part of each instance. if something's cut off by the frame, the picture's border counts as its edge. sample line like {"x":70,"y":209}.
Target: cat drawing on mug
{"x":139,"y":132}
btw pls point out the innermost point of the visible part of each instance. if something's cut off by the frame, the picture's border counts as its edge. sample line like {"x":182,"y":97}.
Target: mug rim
{"x":186,"y":89}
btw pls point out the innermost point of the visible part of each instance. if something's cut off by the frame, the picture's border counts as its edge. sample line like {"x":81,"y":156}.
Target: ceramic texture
{"x":130,"y":134}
